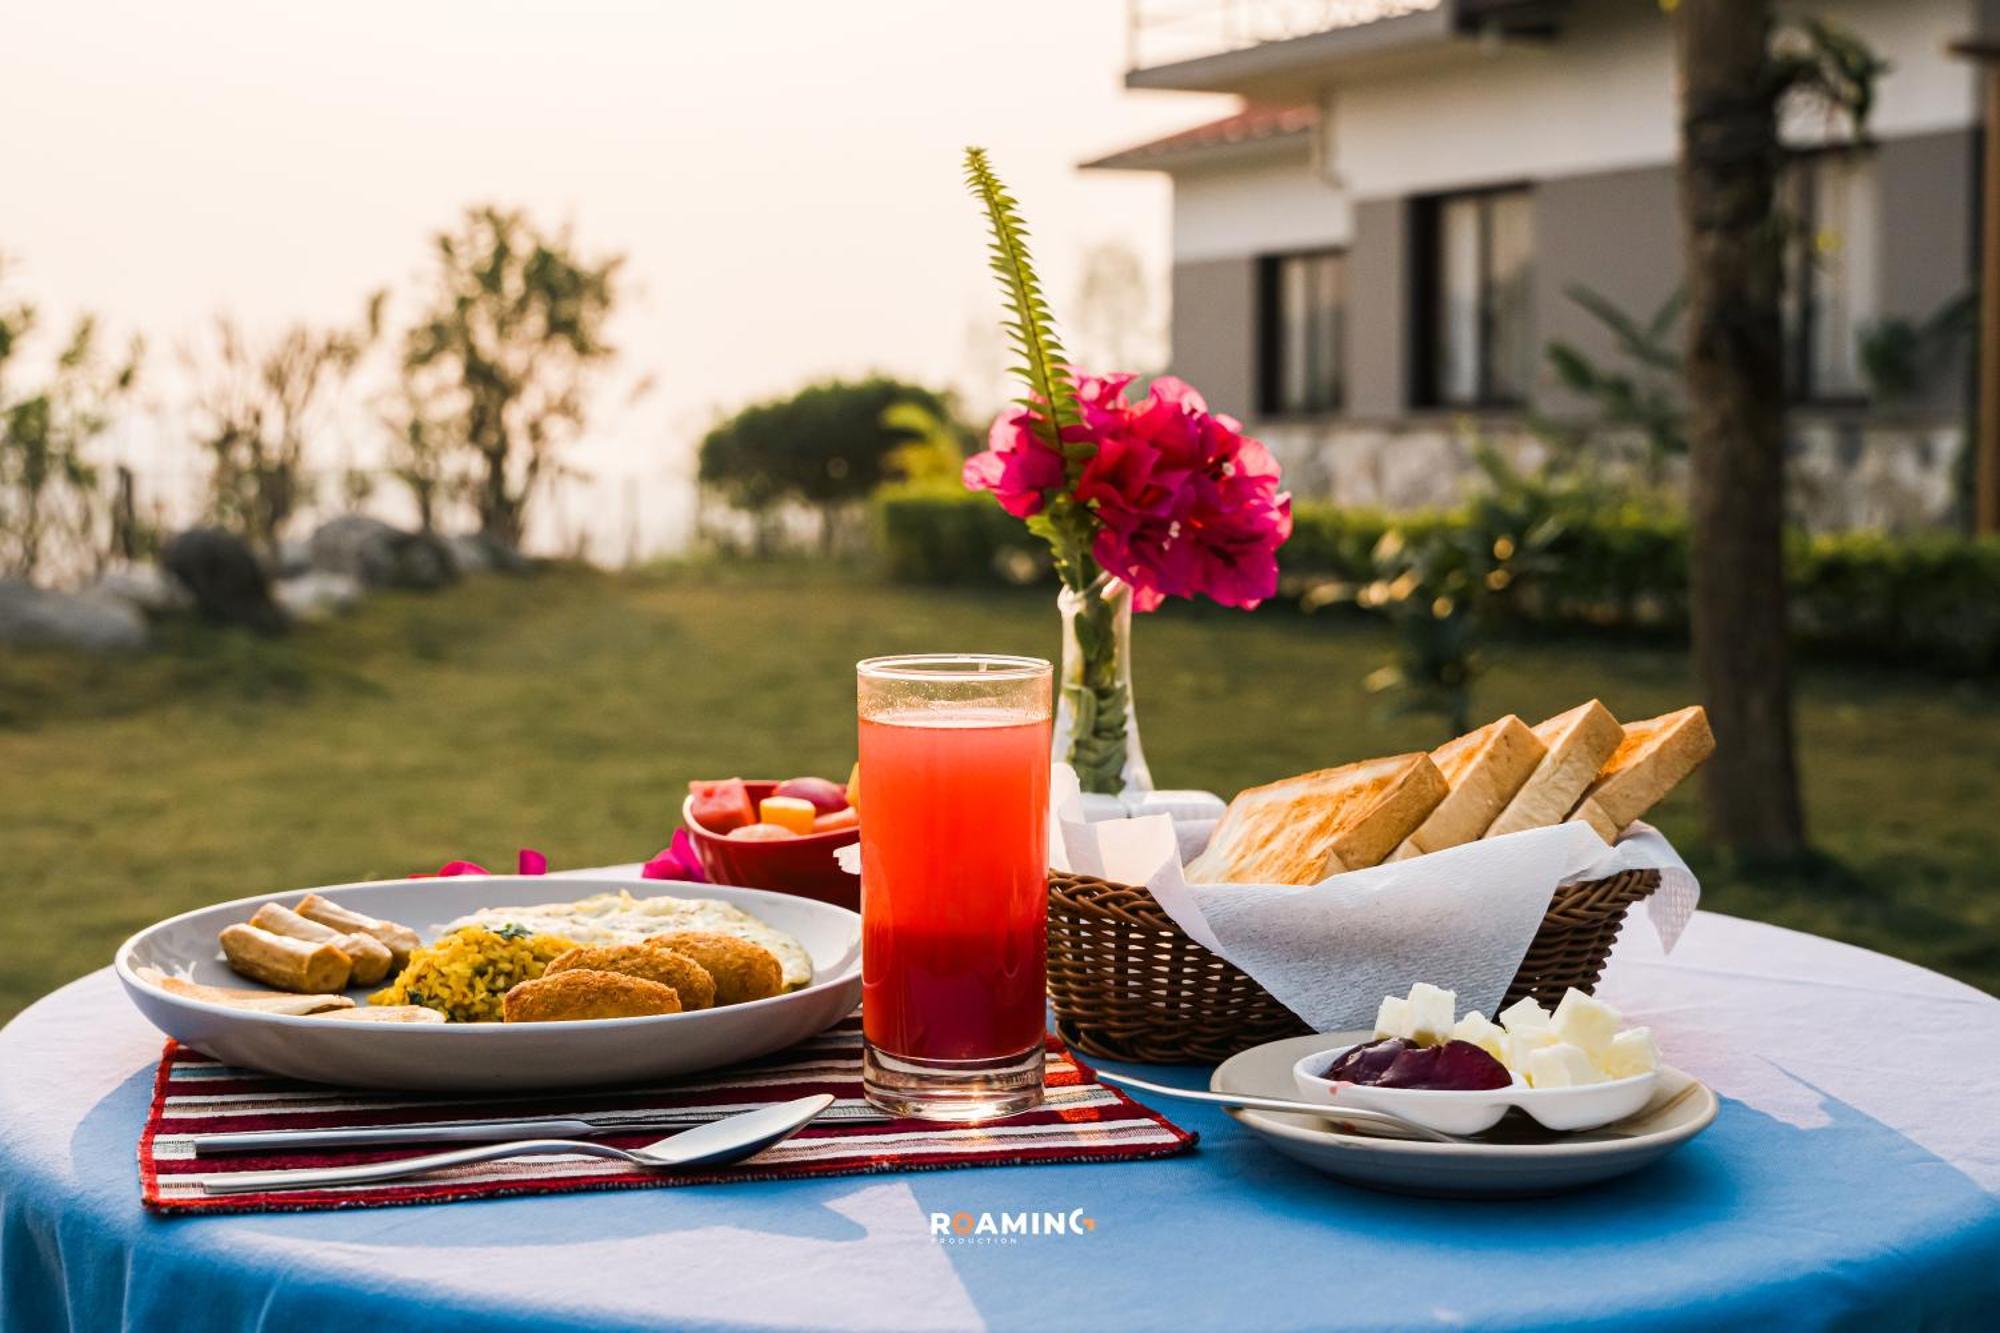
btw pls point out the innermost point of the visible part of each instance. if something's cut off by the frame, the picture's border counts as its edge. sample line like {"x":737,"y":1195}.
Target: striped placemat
{"x":1081,"y":1121}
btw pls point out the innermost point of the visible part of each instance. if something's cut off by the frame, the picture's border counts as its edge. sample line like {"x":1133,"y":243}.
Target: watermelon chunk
{"x":721,"y":806}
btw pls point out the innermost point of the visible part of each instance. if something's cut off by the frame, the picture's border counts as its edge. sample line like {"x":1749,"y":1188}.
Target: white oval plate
{"x":1566,"y":1109}
{"x":1511,"y":1162}
{"x":474,"y":1057}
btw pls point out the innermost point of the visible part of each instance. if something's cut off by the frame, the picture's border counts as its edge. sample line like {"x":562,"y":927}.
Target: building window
{"x":1475,"y":332}
{"x":1302,"y":305}
{"x":1831,"y":294}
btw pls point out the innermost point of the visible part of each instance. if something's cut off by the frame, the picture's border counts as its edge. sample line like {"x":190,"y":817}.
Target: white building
{"x":1372,"y":257}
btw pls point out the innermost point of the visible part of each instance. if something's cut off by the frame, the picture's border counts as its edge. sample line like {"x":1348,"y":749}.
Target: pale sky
{"x":783,"y":174}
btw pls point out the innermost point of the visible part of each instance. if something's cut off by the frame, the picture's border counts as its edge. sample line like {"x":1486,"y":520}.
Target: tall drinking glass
{"x":954,"y":898}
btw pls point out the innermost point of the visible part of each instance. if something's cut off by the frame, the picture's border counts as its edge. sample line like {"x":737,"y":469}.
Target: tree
{"x":420,"y":452}
{"x":1734,"y":77}
{"x":48,"y":485}
{"x":257,"y":409}
{"x":515,"y":332}
{"x":829,"y":446}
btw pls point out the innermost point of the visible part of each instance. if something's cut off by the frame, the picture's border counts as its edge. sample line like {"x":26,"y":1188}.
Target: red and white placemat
{"x":1081,"y":1121}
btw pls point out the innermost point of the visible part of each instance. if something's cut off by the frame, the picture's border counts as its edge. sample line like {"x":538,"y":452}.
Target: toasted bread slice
{"x":1485,"y":768}
{"x":1650,"y":762}
{"x":1578,"y":743}
{"x":1303,"y":829}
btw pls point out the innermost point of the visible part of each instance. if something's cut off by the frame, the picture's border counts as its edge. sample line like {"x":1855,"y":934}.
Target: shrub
{"x":830,"y":445}
{"x":940,"y":533}
{"x":1930,"y":601}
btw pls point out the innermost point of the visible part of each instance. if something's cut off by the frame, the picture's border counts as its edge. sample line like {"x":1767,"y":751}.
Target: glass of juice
{"x":954,"y":898}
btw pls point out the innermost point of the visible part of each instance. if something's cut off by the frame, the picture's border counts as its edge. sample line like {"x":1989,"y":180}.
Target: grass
{"x":567,"y":711}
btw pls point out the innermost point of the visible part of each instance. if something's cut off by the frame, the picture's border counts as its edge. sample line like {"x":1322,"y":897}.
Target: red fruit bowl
{"x":803,"y":865}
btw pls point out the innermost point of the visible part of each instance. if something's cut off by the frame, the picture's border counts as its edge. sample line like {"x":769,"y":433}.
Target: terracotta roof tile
{"x":1250,"y":125}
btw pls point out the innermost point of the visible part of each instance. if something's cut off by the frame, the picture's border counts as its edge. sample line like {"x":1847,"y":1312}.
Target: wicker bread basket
{"x":1127,"y":984}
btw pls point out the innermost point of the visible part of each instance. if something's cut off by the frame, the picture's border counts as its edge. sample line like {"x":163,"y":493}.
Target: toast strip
{"x":1652,"y":759}
{"x":1578,"y":744}
{"x":1484,"y":768}
{"x":1302,"y":829}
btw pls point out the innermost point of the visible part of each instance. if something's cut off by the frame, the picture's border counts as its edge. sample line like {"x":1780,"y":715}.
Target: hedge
{"x":1925,"y":601}
{"x":949,"y":535}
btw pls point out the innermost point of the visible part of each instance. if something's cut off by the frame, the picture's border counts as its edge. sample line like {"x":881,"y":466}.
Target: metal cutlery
{"x":714,"y":1144}
{"x":487,"y":1131}
{"x":1355,"y":1115}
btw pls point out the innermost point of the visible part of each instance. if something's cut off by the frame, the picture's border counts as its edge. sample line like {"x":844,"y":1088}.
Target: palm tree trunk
{"x":1735,"y":379}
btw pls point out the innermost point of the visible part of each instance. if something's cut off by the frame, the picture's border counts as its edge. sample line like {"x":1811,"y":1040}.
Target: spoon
{"x":1250,"y":1102}
{"x":713,"y":1144}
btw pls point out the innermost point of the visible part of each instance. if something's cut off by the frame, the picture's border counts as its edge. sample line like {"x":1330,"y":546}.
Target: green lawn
{"x":567,"y":710}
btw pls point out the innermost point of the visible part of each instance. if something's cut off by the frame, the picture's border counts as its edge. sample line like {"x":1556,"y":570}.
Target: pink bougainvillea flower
{"x":453,"y":869}
{"x":1186,"y":504}
{"x":1018,"y":466}
{"x":677,"y":860}
{"x":531,"y":862}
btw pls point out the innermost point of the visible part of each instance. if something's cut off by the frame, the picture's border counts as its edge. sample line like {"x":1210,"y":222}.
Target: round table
{"x":1852,"y":1178}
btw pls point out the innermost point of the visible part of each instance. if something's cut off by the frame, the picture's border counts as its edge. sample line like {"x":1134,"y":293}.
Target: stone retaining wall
{"x":1845,"y":472}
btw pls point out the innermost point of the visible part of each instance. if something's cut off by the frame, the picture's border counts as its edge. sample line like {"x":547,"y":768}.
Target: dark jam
{"x":1392,"y":1062}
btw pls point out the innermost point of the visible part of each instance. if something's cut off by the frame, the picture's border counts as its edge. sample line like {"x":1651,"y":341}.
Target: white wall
{"x":1602,"y":97}
{"x":1273,"y":201}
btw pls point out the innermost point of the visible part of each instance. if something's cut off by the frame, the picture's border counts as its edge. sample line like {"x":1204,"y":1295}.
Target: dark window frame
{"x":1426,"y":278}
{"x":1270,"y":327}
{"x":1798,"y":178}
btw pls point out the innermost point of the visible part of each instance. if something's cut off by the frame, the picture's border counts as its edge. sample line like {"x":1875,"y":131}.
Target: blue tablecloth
{"x":1851,"y":1180}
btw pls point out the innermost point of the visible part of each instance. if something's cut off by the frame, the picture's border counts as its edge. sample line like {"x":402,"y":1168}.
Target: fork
{"x":714,"y":1144}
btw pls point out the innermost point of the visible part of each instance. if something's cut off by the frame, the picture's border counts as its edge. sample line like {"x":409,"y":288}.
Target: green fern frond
{"x":1031,"y":329}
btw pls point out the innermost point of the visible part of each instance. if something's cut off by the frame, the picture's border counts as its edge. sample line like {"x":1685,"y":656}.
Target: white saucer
{"x":1517,"y":1158}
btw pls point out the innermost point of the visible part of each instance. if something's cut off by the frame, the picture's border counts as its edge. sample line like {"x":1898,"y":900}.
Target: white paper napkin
{"x":1461,"y":918}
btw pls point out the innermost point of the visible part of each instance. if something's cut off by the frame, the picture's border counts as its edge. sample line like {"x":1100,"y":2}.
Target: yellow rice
{"x":463,"y":975}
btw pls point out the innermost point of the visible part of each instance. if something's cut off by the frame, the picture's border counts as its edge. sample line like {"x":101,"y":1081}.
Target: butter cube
{"x":1393,"y":1018}
{"x":1524,"y":1015}
{"x":1562,"y":1065}
{"x":1431,"y":1010}
{"x":1488,"y":1036}
{"x":1521,"y":1045}
{"x":1632,"y":1052}
{"x":1582,"y":1020}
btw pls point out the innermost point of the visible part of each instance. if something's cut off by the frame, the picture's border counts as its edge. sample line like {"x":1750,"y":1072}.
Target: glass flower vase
{"x":1096,"y":729}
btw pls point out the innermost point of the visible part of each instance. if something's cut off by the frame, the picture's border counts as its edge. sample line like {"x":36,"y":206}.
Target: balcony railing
{"x":1164,"y":32}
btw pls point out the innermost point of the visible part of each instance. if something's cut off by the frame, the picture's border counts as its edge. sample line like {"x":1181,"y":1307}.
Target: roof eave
{"x":1192,"y":158}
{"x":1298,"y":65}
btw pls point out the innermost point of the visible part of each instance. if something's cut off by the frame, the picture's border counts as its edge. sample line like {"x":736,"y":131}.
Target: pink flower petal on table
{"x":676,"y":861}
{"x":451,"y":869}
{"x":531,"y":862}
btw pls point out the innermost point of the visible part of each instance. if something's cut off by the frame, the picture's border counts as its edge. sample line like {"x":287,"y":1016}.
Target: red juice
{"x":954,"y":860}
